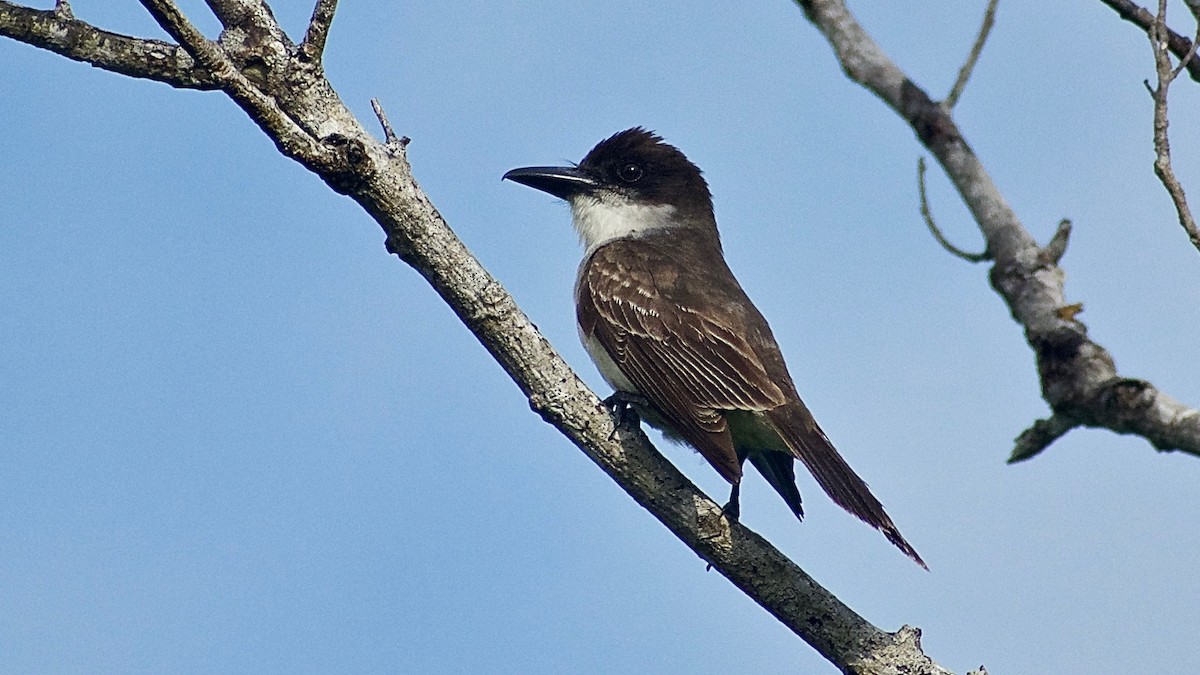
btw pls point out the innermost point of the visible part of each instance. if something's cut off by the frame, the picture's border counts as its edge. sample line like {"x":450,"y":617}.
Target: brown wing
{"x":641,"y":305}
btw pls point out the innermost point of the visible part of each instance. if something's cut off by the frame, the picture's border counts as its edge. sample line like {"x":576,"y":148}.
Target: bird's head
{"x":629,"y":184}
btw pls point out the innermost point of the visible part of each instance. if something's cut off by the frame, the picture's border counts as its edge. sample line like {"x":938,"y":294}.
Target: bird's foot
{"x":621,"y":404}
{"x":731,"y":511}
{"x":733,"y":508}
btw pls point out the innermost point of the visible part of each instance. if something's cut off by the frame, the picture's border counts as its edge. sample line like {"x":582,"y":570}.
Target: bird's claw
{"x":733,"y":508}
{"x":732,"y":511}
{"x":621,"y":404}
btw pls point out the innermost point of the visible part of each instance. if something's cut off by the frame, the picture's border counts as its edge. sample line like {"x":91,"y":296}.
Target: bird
{"x":669,"y":327}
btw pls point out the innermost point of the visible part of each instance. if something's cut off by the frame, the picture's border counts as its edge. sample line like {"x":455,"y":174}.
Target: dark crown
{"x":638,"y":162}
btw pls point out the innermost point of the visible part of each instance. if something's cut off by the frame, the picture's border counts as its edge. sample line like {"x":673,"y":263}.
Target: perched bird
{"x":672,"y":331}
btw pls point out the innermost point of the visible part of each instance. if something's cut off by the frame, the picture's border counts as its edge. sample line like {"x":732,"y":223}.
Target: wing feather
{"x":689,"y":362}
{"x":692,"y":353}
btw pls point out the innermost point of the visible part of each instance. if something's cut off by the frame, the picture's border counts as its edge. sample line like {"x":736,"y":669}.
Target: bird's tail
{"x":779,"y":468}
{"x":796,"y":425}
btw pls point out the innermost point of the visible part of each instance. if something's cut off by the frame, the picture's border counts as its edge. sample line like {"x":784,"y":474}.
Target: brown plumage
{"x":664,"y":318}
{"x":699,"y":350}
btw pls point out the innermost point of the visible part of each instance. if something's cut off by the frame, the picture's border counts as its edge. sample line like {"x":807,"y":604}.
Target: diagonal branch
{"x":291,"y":138}
{"x":231,"y":13}
{"x":964,"y":73}
{"x":1056,"y":248}
{"x":1038,"y":437}
{"x":393,"y":142}
{"x":177,"y":26}
{"x":1142,"y":18}
{"x":57,"y":31}
{"x":318,"y":29}
{"x":379,"y":178}
{"x":1166,"y":74}
{"x":1079,"y":378}
{"x":253,"y":17}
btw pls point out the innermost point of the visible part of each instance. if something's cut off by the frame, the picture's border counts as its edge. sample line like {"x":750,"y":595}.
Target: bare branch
{"x":59,"y":32}
{"x":1038,"y":437}
{"x":964,"y":73}
{"x":1140,"y":17}
{"x":394,"y":143}
{"x":1057,"y":246}
{"x":292,"y":139}
{"x":933,"y":228}
{"x":1078,"y":377}
{"x":1127,"y":404}
{"x":251,"y":17}
{"x":231,"y":13}
{"x":318,"y":30}
{"x":177,"y":26}
{"x":1162,"y":147}
{"x":1191,"y":53}
{"x":378,"y":177}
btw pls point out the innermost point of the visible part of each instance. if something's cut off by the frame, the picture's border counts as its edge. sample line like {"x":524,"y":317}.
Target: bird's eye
{"x":630,"y":172}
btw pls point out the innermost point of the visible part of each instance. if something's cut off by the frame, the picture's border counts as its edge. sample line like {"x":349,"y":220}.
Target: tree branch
{"x":59,"y":32}
{"x":318,"y":29}
{"x":393,"y":142}
{"x":253,"y":19}
{"x":291,"y":138}
{"x":177,"y":26}
{"x":1079,"y":378}
{"x":1166,"y":74}
{"x":933,"y":228}
{"x":964,"y":73}
{"x":231,"y":13}
{"x":1057,"y":246}
{"x":1038,"y":437}
{"x":1140,"y":17}
{"x":379,"y":178}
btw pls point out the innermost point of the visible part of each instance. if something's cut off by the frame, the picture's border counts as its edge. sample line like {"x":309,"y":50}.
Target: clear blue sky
{"x":237,"y":436}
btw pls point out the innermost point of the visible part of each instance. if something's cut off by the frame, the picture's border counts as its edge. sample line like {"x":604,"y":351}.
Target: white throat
{"x":602,"y":218}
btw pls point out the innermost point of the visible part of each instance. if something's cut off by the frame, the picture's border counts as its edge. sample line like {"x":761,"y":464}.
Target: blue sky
{"x":236,"y":435}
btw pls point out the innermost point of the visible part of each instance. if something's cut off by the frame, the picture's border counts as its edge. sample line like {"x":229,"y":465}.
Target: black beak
{"x":563,"y":182}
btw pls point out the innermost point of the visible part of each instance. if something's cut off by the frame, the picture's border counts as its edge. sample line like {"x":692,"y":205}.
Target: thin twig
{"x":318,"y":30}
{"x":1038,"y":437}
{"x":933,"y":228}
{"x":1187,"y":57}
{"x":1162,"y":147}
{"x":1057,"y":246}
{"x":964,"y":73}
{"x":394,"y":142}
{"x":1142,"y":18}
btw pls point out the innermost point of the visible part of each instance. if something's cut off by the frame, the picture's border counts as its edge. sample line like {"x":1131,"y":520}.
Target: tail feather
{"x":795,"y":424}
{"x":779,"y":468}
